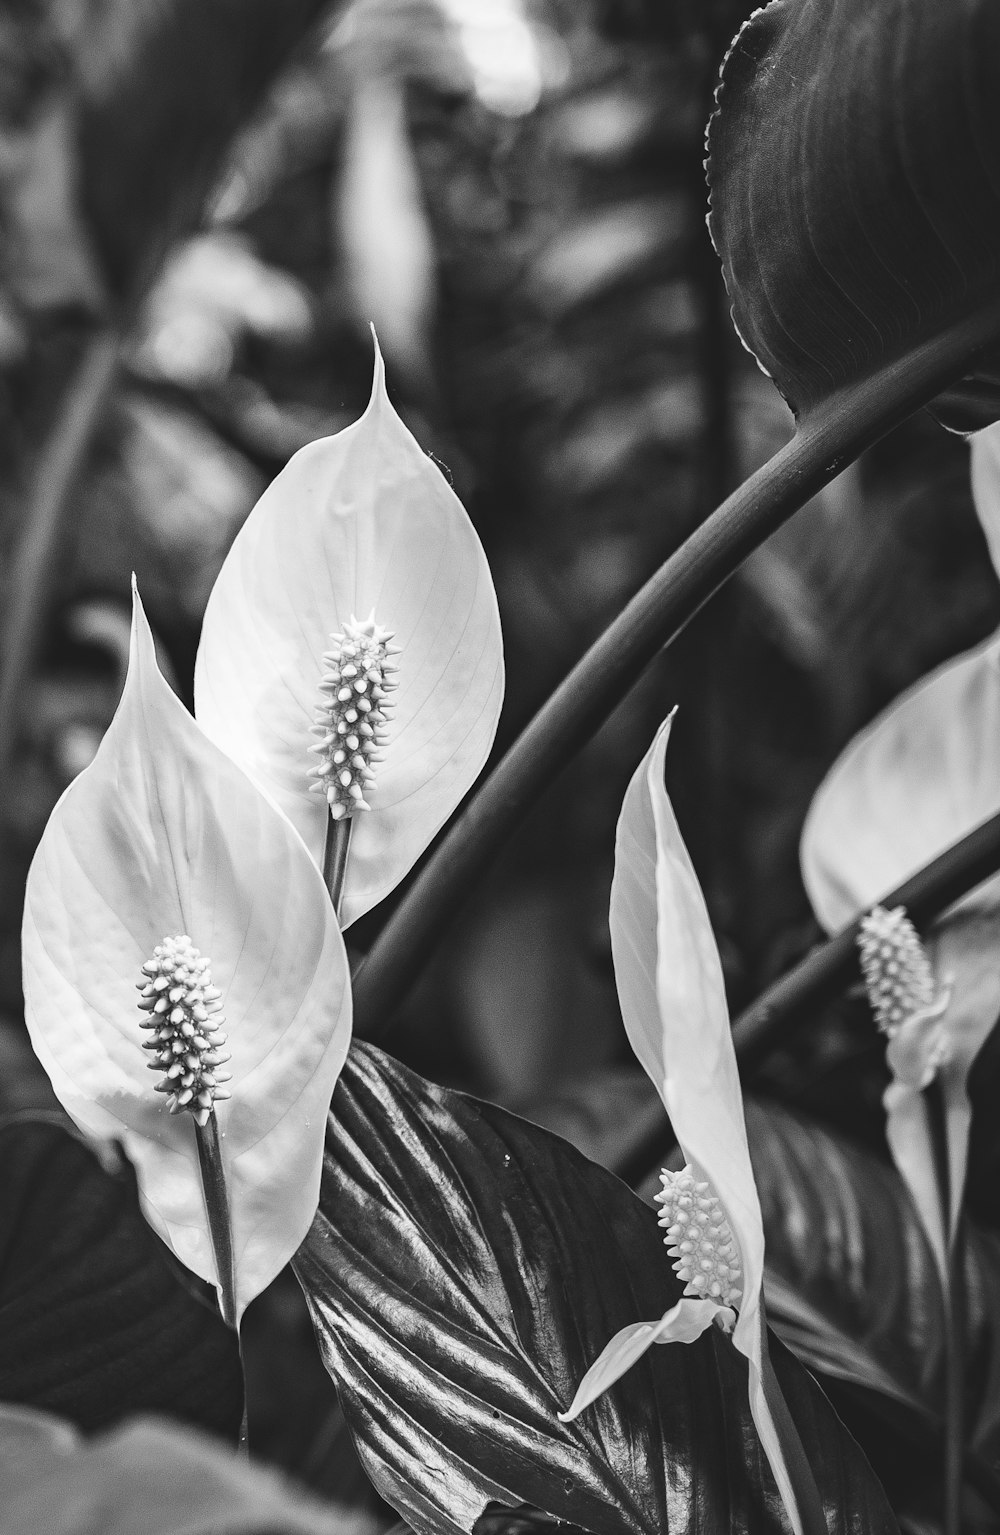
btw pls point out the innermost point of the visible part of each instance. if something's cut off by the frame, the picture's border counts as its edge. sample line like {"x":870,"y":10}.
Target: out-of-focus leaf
{"x":384,"y":234}
{"x":94,"y":1323}
{"x":213,"y":291}
{"x":31,"y":1443}
{"x":161,"y":90}
{"x":613,"y":246}
{"x":148,"y":1475}
{"x":49,"y":261}
{"x":854,"y":223}
{"x":189,"y":493}
{"x":851,"y":1283}
{"x":604,"y":1115}
{"x":462,"y":1273}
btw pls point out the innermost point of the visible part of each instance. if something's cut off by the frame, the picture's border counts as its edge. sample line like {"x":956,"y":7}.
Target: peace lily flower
{"x":183,"y":970}
{"x":673,"y":1004}
{"x":351,"y":658}
{"x":919,"y":778}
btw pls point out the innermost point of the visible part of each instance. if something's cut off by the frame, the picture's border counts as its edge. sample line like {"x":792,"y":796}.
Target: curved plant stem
{"x":335,"y":851}
{"x":826,"y":441}
{"x":31,"y":574}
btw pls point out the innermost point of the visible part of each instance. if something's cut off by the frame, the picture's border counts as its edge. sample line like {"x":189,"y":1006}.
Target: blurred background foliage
{"x":512,"y":190}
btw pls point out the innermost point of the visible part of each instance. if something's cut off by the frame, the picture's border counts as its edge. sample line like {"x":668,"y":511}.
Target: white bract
{"x":360,"y":532}
{"x":166,"y":889}
{"x":923,"y":775}
{"x":673,"y":1003}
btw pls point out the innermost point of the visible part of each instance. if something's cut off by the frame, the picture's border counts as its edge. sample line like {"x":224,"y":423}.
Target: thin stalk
{"x":800,"y":1472}
{"x":33,"y":567}
{"x":824,"y":973}
{"x":954,"y":1307}
{"x":825,"y":442}
{"x":335,"y":851}
{"x":213,"y":1183}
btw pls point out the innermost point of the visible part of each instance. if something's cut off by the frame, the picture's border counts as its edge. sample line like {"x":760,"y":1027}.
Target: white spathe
{"x":920,"y":777}
{"x":363,"y":521}
{"x":674,"y":1008}
{"x":162,"y":835}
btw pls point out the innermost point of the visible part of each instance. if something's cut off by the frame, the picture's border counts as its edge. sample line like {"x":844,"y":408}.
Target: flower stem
{"x":954,"y":1305}
{"x":335,"y":851}
{"x":213,"y":1182}
{"x":827,"y":440}
{"x":800,"y":1472}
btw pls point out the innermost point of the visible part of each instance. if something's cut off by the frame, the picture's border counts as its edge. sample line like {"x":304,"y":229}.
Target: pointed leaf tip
{"x":162,"y":835}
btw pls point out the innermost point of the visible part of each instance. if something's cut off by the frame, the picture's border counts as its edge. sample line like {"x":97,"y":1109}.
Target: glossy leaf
{"x":853,"y":223}
{"x":674,"y":1009}
{"x":462,"y":1273}
{"x":357,"y":522}
{"x":94,"y":1322}
{"x":852,"y":1285}
{"x":148,"y":1475}
{"x":164,"y":835}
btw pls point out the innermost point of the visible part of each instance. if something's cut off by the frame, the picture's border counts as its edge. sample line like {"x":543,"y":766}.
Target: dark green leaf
{"x":148,"y":1475}
{"x":94,"y":1323}
{"x":463,"y":1271}
{"x":855,"y":199}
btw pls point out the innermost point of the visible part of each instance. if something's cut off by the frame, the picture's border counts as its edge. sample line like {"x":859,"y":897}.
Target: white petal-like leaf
{"x":673,"y":1003}
{"x":683,"y":1323}
{"x":920,"y":777}
{"x":360,"y":521}
{"x":162,"y":835}
{"x":985,"y":469}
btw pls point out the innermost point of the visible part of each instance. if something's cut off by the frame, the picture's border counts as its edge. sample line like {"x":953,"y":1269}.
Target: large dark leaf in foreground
{"x":855,"y":200}
{"x":463,"y":1271}
{"x":851,"y":1283}
{"x":94,"y":1323}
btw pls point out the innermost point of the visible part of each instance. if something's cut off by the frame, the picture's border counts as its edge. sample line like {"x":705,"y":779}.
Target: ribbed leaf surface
{"x":851,"y":1283}
{"x":855,"y":193}
{"x":94,"y":1323}
{"x":463,"y":1271}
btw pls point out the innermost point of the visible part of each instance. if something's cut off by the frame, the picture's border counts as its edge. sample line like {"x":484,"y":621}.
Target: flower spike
{"x":352,"y":722}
